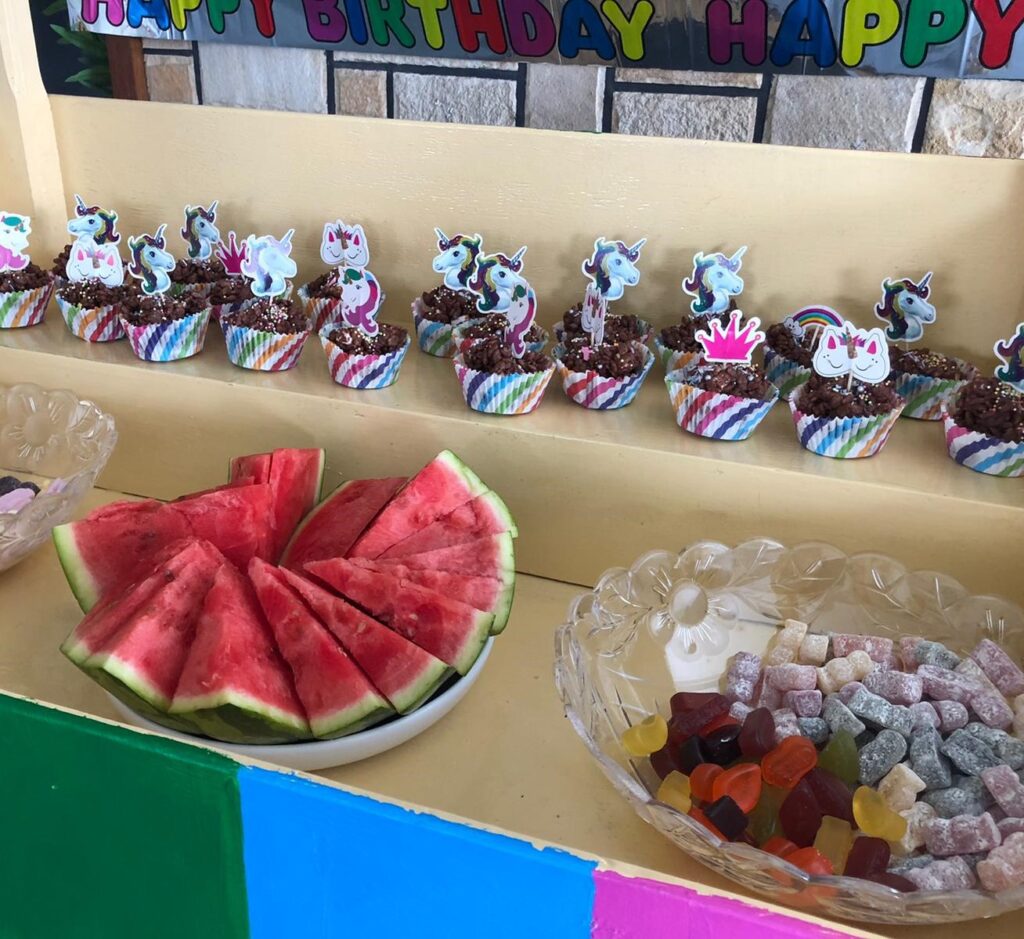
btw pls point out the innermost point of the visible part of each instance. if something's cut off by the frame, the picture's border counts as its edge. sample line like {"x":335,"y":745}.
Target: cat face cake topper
{"x":346,"y":248}
{"x":91,"y":261}
{"x":858,"y":353}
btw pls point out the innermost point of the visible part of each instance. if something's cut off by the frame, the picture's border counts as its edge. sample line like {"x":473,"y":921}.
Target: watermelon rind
{"x":235,"y":717}
{"x":81,"y":582}
{"x":139,"y":705}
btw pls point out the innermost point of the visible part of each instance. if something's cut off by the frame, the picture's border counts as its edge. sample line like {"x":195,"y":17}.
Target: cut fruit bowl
{"x":672,"y":622}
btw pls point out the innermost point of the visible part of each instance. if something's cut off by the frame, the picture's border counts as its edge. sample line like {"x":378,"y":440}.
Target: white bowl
{"x":322,"y":754}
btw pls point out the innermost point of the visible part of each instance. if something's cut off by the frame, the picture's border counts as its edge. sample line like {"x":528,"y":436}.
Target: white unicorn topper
{"x":500,"y":288}
{"x":859,"y":353}
{"x":714,"y":282}
{"x":346,"y":247}
{"x":14,"y":232}
{"x":91,"y":261}
{"x":268,"y":263}
{"x":457,"y":258}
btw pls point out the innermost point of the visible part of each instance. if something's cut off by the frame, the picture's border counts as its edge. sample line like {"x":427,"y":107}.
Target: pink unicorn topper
{"x":734,"y":343}
{"x":858,"y":353}
{"x":14,"y":232}
{"x":501,"y":288}
{"x":347,"y":248}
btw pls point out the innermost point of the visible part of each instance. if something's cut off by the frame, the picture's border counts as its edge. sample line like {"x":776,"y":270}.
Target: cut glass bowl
{"x":671,"y":623}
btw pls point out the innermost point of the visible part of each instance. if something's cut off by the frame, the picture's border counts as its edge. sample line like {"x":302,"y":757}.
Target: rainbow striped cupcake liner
{"x":502,"y":394}
{"x":322,"y":312}
{"x":591,"y":390}
{"x":714,"y":415}
{"x":673,"y":359}
{"x":926,"y":397}
{"x":169,"y":342}
{"x":92,"y":324}
{"x":217,"y":310}
{"x":981,"y":452}
{"x":365,"y":372}
{"x":20,"y":308}
{"x":262,"y":351}
{"x":647,"y":331}
{"x":843,"y":438}
{"x":434,"y":338}
{"x":460,"y":342}
{"x":785,"y":374}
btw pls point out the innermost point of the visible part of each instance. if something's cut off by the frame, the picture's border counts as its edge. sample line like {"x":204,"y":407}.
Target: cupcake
{"x":618,"y":327}
{"x":164,"y":328}
{"x":677,"y":345}
{"x":24,"y":296}
{"x":720,"y":400}
{"x":604,"y":377}
{"x":845,"y":420}
{"x":202,"y":268}
{"x":197,"y":275}
{"x":495,"y":324}
{"x":436,"y":313}
{"x":494,"y":381}
{"x":787,"y":356}
{"x":228,"y":296}
{"x":321,"y":298}
{"x":92,"y":310}
{"x":359,"y":360}
{"x":984,"y":426}
{"x":927,"y":380}
{"x":265,"y":334}
{"x":92,"y":221}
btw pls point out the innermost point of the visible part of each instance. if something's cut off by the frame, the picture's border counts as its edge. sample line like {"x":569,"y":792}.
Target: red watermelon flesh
{"x":482,"y":516}
{"x":400,"y":670}
{"x":442,"y":485}
{"x":234,"y":519}
{"x":334,"y":525}
{"x":336,"y":695}
{"x":484,"y":557}
{"x":256,"y":465}
{"x":295,"y":478}
{"x":452,"y":631}
{"x":241,"y":481}
{"x":234,"y":686}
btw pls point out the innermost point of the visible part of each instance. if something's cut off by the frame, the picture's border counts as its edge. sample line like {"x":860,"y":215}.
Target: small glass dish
{"x":59,"y":442}
{"x":672,"y":621}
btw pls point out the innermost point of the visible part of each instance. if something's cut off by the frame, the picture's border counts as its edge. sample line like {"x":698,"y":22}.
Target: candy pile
{"x":15,"y":494}
{"x":902,"y":763}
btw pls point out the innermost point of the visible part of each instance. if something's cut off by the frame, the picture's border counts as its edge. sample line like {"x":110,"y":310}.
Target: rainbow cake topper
{"x":92,"y":220}
{"x":857,"y":353}
{"x":14,"y":232}
{"x":905,"y":307}
{"x":268,"y":263}
{"x":91,"y":261}
{"x":200,"y":231}
{"x":232,"y":255}
{"x":1011,"y":354}
{"x":812,"y":317}
{"x":714,"y":282}
{"x":501,"y":288}
{"x":457,"y":258}
{"x":151,"y":263}
{"x":347,"y":248}
{"x":735,"y":343}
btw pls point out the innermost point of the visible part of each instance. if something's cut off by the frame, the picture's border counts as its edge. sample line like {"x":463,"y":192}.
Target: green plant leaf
{"x":71,"y":38}
{"x":56,"y":7}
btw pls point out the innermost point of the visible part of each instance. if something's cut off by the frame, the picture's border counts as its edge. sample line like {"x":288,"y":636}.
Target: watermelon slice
{"x":403,"y":672}
{"x":336,"y":695}
{"x":493,"y":556}
{"x":234,"y":685}
{"x":441,"y":486}
{"x":256,"y":465}
{"x":296,"y":477}
{"x":454,"y":632}
{"x":233,"y":519}
{"x":485,"y":515}
{"x":334,"y":525}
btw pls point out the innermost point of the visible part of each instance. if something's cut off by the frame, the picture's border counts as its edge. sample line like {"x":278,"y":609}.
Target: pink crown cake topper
{"x":92,"y":220}
{"x":1011,"y":354}
{"x":151,"y":263}
{"x":735,"y":343}
{"x":857,"y":353}
{"x":347,"y":248}
{"x":14,"y":232}
{"x":501,"y":288}
{"x":200,"y":232}
{"x":232,"y":255}
{"x":905,"y":307}
{"x":456,"y":258}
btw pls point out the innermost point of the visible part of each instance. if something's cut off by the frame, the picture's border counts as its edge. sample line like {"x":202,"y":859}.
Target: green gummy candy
{"x":840,"y":757}
{"x":763,"y":821}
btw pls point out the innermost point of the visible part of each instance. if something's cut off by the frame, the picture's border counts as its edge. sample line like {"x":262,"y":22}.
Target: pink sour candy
{"x":953,"y":874}
{"x":992,"y":708}
{"x":742,"y":677}
{"x":879,"y":649}
{"x":1001,"y":670}
{"x":907,"y":646}
{"x":1010,"y":826}
{"x":787,"y":643}
{"x":739,"y":710}
{"x":917,"y":818}
{"x":972,"y":670}
{"x":900,"y":786}
{"x":1006,"y":789}
{"x":791,"y":677}
{"x":963,"y":834}
{"x":1018,"y":715}
{"x":803,"y":703}
{"x":813,"y":650}
{"x":945,"y":685}
{"x":952,"y":715}
{"x":849,"y":690}
{"x":1004,"y":867}
{"x":785,"y":724}
{"x":768,"y":696}
{"x":895,"y":687}
{"x":841,"y":671}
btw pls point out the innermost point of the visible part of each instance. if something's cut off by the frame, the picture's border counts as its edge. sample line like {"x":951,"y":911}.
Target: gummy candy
{"x":764,"y":818}
{"x":962,"y":834}
{"x":916,"y":817}
{"x":815,"y":729}
{"x":907,"y":646}
{"x":683,"y":701}
{"x":1011,"y":751}
{"x":840,"y":718}
{"x":895,"y":687}
{"x":895,"y":881}
{"x":791,"y":677}
{"x":786,"y":765}
{"x":925,"y":716}
{"x":992,"y":708}
{"x":900,"y":786}
{"x":849,"y":690}
{"x":878,"y":648}
{"x":951,"y":874}
{"x":779,"y":845}
{"x":787,"y":643}
{"x":785,"y":724}
{"x":1018,"y":715}
{"x":1004,"y":866}
{"x":868,"y":857}
{"x":810,"y":860}
{"x":800,"y":815}
{"x":690,"y":755}
{"x":813,"y":650}
{"x":741,"y":783}
{"x":948,"y":803}
{"x":742,"y":678}
{"x":832,"y":795}
{"x":675,"y":791}
{"x":874,"y":817}
{"x":698,"y":815}
{"x":723,"y":720}
{"x":1001,"y":670}
{"x":881,"y":755}
{"x":935,"y":653}
{"x":1010,"y":826}
{"x":726,"y":816}
{"x":904,"y":864}
{"x":803,"y":703}
{"x":685,"y":724}
{"x":702,"y":779}
{"x":952,"y":715}
{"x":833,"y":841}
{"x":645,"y":738}
{"x":875,"y":711}
{"x":665,"y":760}
{"x":757,"y":736}
{"x":927,"y":760}
{"x":722,"y":746}
{"x":968,"y":753}
{"x":1006,"y":789}
{"x":839,"y":757}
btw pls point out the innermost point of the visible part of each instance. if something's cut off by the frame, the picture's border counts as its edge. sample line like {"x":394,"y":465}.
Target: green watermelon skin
{"x":441,"y":486}
{"x":333,"y":526}
{"x":400,"y":670}
{"x":452,"y":631}
{"x":337,"y":697}
{"x":234,"y":686}
{"x":488,"y":594}
{"x":485,"y":515}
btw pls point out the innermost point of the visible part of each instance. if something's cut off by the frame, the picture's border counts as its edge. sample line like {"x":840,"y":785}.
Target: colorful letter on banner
{"x":630,"y":28}
{"x":800,"y":16}
{"x":867,"y":23}
{"x":431,"y":22}
{"x":531,"y":27}
{"x":216,"y":10}
{"x":582,"y":28}
{"x":156,"y":10}
{"x":750,"y":33}
{"x":324,"y":21}
{"x":998,"y":30}
{"x":472,"y":24}
{"x":386,"y":17}
{"x":114,"y":8}
{"x":931,"y":23}
{"x":180,"y":10}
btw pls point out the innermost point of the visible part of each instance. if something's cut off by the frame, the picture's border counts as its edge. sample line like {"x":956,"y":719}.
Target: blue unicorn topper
{"x":200,"y":232}
{"x":268,"y":263}
{"x":151,"y":263}
{"x":714,"y":282}
{"x":906,"y":308}
{"x":611,"y":269}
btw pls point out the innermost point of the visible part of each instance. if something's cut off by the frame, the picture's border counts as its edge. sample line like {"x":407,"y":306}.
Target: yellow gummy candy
{"x":647,"y":737}
{"x":875,"y":818}
{"x":834,"y":839}
{"x":675,"y":791}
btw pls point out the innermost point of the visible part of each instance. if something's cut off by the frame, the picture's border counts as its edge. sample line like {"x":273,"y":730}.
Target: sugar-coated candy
{"x":810,"y":861}
{"x":952,"y":874}
{"x":690,"y":755}
{"x":726,"y":816}
{"x":785,"y":724}
{"x":928,"y":761}
{"x":803,"y":703}
{"x":968,"y":753}
{"x":896,"y":687}
{"x":722,"y":745}
{"x":665,"y":760}
{"x":1018,"y":715}
{"x":800,"y":815}
{"x":813,"y":650}
{"x":990,"y":735}
{"x":742,"y":678}
{"x":895,"y":881}
{"x":789,"y":762}
{"x":832,"y":795}
{"x":1010,"y":826}
{"x":702,"y":781}
{"x":973,"y":672}
{"x":757,"y":736}
{"x":916,"y":862}
{"x":935,"y":653}
{"x":741,"y":783}
{"x":952,"y":715}
{"x":739,"y":711}
{"x":881,"y":755}
{"x":815,"y":729}
{"x":840,"y":671}
{"x":900,"y":786}
{"x":764,"y":818}
{"x":675,"y":791}
{"x":1006,"y":789}
{"x":868,"y":856}
{"x":878,"y":648}
{"x":768,"y":696}
{"x":963,"y":834}
{"x":647,"y":737}
{"x":863,"y":739}
{"x":1002,"y":671}
{"x":849,"y":690}
{"x":840,"y":717}
{"x":916,"y":817}
{"x":787,"y":643}
{"x":907,"y":645}
{"x":1011,"y":751}
{"x":874,"y":817}
{"x":875,"y":711}
{"x":925,"y":716}
{"x":954,"y":801}
{"x":839,"y":757}
{"x":1004,"y":866}
{"x":791,"y":677}
{"x":943,"y":685}
{"x":992,"y":708}
{"x":779,"y":846}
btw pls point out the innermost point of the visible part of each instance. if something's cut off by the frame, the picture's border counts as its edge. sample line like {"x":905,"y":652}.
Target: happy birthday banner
{"x":964,"y":38}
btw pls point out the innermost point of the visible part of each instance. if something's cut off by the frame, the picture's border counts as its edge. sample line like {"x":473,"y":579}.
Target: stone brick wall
{"x":970,"y":118}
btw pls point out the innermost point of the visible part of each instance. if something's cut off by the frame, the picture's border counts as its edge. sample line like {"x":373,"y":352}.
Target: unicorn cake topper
{"x":735,"y":343}
{"x":858,"y":353}
{"x":151,"y":263}
{"x":611,"y":269}
{"x":91,"y":261}
{"x":592,"y":316}
{"x":501,"y":288}
{"x":232,"y":255}
{"x":99,"y":223}
{"x":200,"y":231}
{"x":714,"y":282}
{"x":347,"y":248}
{"x":268,"y":263}
{"x":905,"y":307}
{"x":1011,"y":354}
{"x":457,"y":258}
{"x":14,"y":232}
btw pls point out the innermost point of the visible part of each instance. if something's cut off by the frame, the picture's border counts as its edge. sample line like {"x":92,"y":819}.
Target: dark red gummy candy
{"x":800,"y":815}
{"x":727,"y":817}
{"x":690,"y":755}
{"x":831,"y":793}
{"x":685,"y":724}
{"x":683,"y":701}
{"x":665,"y":760}
{"x":867,"y":858}
{"x":722,"y":746}
{"x":895,"y":881}
{"x":758,"y":734}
